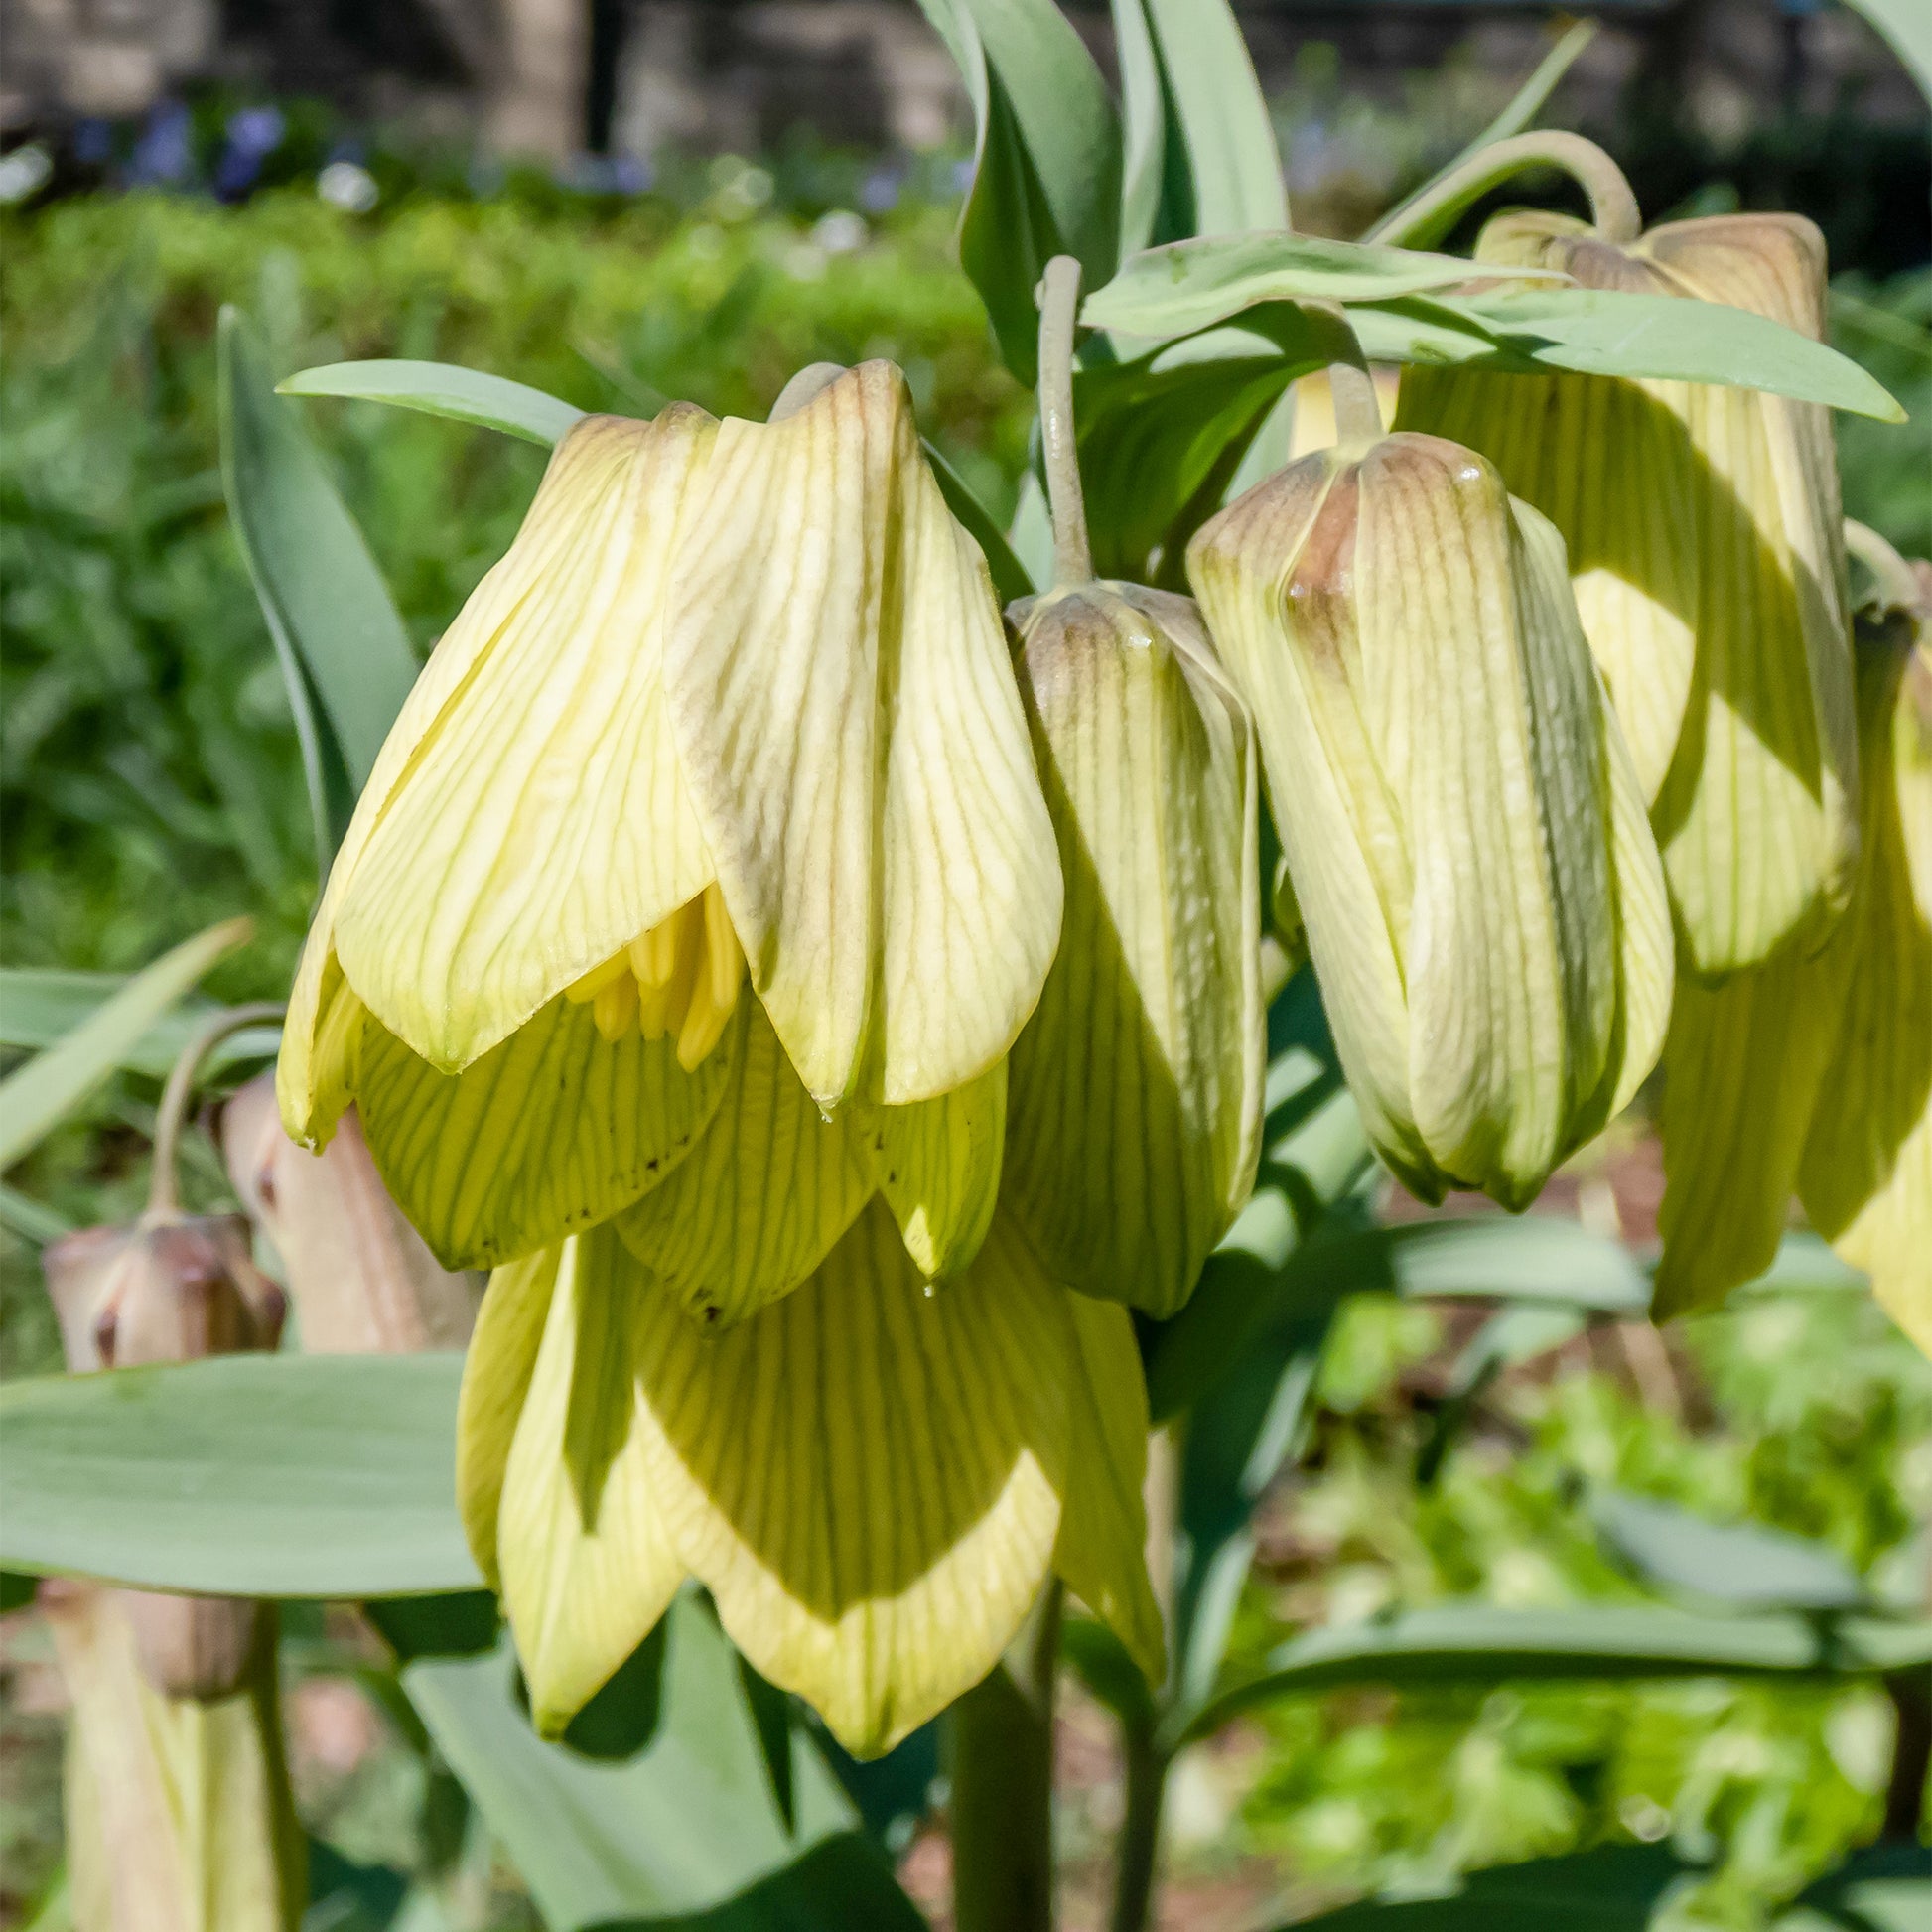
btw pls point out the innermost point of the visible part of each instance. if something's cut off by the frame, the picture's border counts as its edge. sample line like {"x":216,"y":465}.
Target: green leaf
{"x":444,"y":390}
{"x":1158,"y":448}
{"x":1102,"y":1664}
{"x":1186,"y":286}
{"x":1748,"y":1564}
{"x":1048,"y":166}
{"x":1201,"y":154}
{"x":40,"y":1006}
{"x":334,"y":627}
{"x":16,"y":1591}
{"x":1009,"y":577}
{"x":33,"y":1221}
{"x":1610,"y":1888}
{"x":687,"y":1831}
{"x":37,"y":1097}
{"x":1479,"y":1644}
{"x":242,"y":1475}
{"x":1907,"y":28}
{"x":1612,"y":331}
{"x":1884,"y":1887}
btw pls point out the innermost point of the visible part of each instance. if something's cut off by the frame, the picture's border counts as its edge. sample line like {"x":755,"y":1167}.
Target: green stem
{"x":1612,"y":206}
{"x":164,"y":1192}
{"x":1140,"y":1831}
{"x":1896,"y":583}
{"x":1002,"y":1785}
{"x":1060,"y":305}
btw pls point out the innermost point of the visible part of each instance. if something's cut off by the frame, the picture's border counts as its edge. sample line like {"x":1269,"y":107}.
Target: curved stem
{"x":1059,"y":304}
{"x":1140,"y":1831}
{"x":1896,"y":580}
{"x":1612,"y":206}
{"x":163,"y":1196}
{"x":1351,"y":389}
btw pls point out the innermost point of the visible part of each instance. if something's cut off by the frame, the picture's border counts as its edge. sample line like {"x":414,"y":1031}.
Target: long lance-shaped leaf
{"x":37,"y":1097}
{"x":243,"y":1475}
{"x":1200,"y":154}
{"x":1479,"y":1644}
{"x":336,"y":629}
{"x":1189,"y":285}
{"x":724,"y":1820}
{"x":444,"y":390}
{"x":1047,"y":167}
{"x":40,"y":1006}
{"x":1907,"y":28}
{"x":1750,"y":1566}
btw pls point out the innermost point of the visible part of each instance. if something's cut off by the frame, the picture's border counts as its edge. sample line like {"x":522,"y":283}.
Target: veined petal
{"x":1472,"y":651}
{"x":587,"y":1564}
{"x":553,"y":1130}
{"x":867,"y":1477}
{"x":1275,"y":564}
{"x":762,"y":1198}
{"x":937,"y":1163}
{"x":846,"y":719}
{"x":542,"y":822}
{"x":1866,"y":1177}
{"x":1102,"y":1551}
{"x":1609,"y":463}
{"x":1135,"y":1114}
{"x":1743,"y":1065}
{"x":496,"y":1371}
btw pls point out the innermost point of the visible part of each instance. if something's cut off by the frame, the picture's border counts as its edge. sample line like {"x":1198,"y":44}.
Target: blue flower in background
{"x":881,"y":188}
{"x":94,"y":141}
{"x":164,"y":156}
{"x":254,"y":133}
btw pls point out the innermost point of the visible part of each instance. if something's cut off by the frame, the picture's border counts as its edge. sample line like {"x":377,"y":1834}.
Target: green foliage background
{"x":151,"y":785}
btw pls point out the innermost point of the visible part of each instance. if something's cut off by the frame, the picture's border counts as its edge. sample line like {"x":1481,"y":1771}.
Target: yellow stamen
{"x":653,"y":954}
{"x":616,"y":1007}
{"x":582,"y":991}
{"x":724,"y":958}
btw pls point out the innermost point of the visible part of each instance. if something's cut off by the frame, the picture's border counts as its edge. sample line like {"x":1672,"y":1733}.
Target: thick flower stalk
{"x":1702,"y":527}
{"x":1134,"y":1105}
{"x":709,"y":839}
{"x":1814,"y":1074}
{"x":1463,"y":824}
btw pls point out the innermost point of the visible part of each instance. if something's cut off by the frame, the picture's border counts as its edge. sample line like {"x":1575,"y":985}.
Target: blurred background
{"x":625,"y":200}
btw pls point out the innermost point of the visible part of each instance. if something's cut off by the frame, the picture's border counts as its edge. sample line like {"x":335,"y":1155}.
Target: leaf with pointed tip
{"x":1750,"y":1564}
{"x":442,"y":389}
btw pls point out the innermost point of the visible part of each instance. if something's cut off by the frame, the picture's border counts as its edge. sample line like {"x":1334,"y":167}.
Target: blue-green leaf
{"x":444,"y":390}
{"x":242,"y":1475}
{"x":1047,"y":167}
{"x":686,"y":1832}
{"x":334,"y":627}
{"x":1200,"y":154}
{"x":40,"y":1006}
{"x":1748,"y":1564}
{"x":1009,"y":577}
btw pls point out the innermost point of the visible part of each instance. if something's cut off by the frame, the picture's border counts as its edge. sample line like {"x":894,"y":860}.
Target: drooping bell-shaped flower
{"x":873,"y":1480}
{"x":1463,"y":829}
{"x":712,"y":816}
{"x":1814,"y":1071}
{"x":1134,"y":1099}
{"x":1703,"y":538}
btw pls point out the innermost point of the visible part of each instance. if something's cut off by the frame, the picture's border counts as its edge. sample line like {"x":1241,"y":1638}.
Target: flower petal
{"x":847,"y":722}
{"x":867,"y":1477}
{"x":496,"y":1371}
{"x":1136,"y":1108}
{"x":587,"y":1564}
{"x":544,"y":822}
{"x":551,"y":1131}
{"x":763,"y":1197}
{"x":1866,"y":1177}
{"x":1102,"y":1551}
{"x":937,"y":1163}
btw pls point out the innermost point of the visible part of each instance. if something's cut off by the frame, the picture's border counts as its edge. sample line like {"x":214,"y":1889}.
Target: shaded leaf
{"x":685,"y":1832}
{"x":1750,"y":1564}
{"x":38,"y":1007}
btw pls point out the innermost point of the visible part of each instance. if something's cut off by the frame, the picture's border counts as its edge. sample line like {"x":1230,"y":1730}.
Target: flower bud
{"x":364,"y":1280}
{"x":1706,"y":550}
{"x":1462,"y":825}
{"x":172,"y":1288}
{"x":1134,"y":1103}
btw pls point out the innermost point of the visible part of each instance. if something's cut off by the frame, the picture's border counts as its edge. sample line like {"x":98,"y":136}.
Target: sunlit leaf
{"x":442,"y":389}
